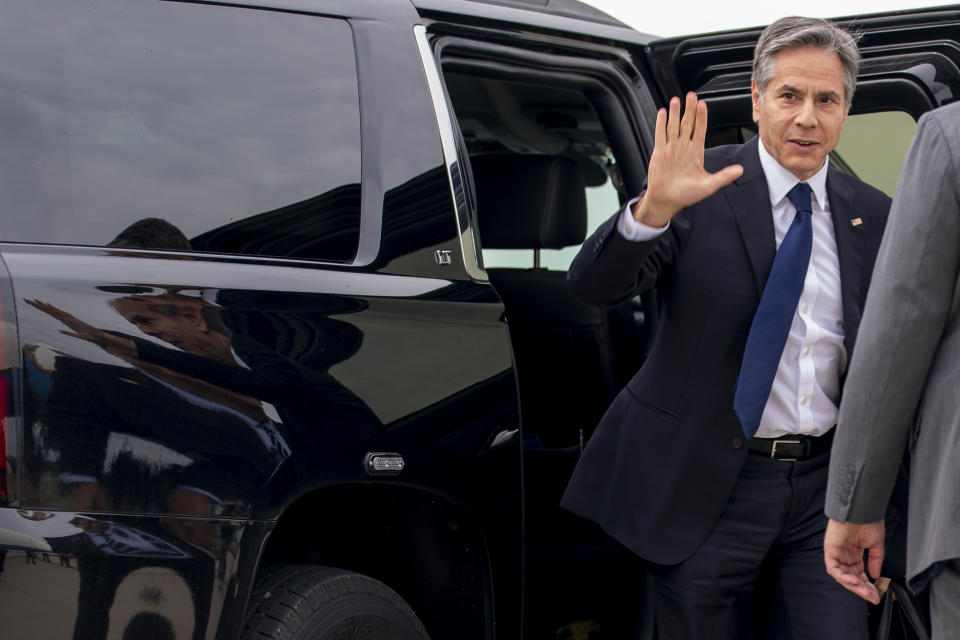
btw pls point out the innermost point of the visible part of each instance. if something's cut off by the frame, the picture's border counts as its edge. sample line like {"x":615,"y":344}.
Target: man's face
{"x":802,"y":111}
{"x":180,"y":325}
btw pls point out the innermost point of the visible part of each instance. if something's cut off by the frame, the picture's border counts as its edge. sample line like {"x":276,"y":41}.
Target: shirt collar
{"x":780,"y":180}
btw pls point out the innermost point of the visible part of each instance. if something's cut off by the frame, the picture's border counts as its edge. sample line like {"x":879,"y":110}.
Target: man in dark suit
{"x":712,"y":463}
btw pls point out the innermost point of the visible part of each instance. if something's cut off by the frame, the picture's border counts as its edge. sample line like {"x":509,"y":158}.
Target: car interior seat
{"x":565,"y":358}
{"x":571,"y":360}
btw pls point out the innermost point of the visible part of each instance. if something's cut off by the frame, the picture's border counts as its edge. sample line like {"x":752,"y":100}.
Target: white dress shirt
{"x":806,"y":388}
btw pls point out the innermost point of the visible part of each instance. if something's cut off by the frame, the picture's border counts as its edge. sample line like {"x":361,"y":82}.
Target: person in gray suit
{"x":902,"y":388}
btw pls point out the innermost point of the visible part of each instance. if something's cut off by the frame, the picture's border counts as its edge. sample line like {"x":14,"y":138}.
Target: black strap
{"x":898,"y":598}
{"x":905,"y":598}
{"x":791,"y":447}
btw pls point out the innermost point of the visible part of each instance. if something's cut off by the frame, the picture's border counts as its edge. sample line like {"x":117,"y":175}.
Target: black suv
{"x":287,"y":347}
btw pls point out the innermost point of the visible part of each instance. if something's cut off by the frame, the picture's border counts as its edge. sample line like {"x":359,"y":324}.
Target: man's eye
{"x":787,"y":95}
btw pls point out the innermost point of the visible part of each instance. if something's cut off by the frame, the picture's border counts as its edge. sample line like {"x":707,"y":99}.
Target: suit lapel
{"x":849,"y":224}
{"x":749,"y":198}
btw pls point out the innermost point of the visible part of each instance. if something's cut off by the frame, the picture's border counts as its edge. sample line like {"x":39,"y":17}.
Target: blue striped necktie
{"x":771,"y":323}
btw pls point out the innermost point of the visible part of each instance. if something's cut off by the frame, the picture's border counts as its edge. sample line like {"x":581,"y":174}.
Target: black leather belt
{"x":791,"y":447}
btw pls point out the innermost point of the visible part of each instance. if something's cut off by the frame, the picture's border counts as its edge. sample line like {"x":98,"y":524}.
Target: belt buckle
{"x":773,"y":450}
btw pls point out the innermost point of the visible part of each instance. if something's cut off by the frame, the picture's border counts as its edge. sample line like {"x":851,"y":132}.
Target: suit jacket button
{"x":737,"y":442}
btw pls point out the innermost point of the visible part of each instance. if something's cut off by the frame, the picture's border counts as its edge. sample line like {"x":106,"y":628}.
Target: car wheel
{"x":320,"y":603}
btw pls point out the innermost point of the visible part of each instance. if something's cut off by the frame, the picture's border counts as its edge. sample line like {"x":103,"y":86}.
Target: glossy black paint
{"x":242,"y":398}
{"x":73,"y":574}
{"x":198,"y":398}
{"x":184,"y":418}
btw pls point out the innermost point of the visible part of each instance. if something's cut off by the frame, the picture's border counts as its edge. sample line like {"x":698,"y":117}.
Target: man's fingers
{"x":865,"y":590}
{"x":868,"y":592}
{"x":875,"y":560}
{"x":660,"y":129}
{"x":725,"y":176}
{"x":700,"y":127}
{"x":842,"y":571}
{"x":673,"y":120}
{"x":848,"y":571}
{"x":843,"y":547}
{"x":853,"y":579}
{"x":688,"y":123}
{"x":39,"y":304}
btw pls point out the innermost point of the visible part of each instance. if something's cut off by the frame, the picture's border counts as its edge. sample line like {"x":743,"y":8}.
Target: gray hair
{"x":793,"y":32}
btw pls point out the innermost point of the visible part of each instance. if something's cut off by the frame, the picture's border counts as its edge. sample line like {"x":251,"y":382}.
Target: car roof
{"x":568,"y":8}
{"x":572,"y":16}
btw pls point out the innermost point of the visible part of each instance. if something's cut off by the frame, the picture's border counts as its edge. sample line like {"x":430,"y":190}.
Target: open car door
{"x":910,"y":64}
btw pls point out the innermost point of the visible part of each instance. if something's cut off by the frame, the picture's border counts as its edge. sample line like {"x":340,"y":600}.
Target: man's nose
{"x":807,"y":116}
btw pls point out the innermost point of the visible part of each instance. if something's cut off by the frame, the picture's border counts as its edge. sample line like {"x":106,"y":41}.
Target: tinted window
{"x":512,"y":117}
{"x":236,"y":130}
{"x":602,"y":202}
{"x":874,"y":145}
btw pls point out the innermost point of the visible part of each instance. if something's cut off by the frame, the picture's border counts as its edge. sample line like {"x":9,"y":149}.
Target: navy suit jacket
{"x":663,"y":461}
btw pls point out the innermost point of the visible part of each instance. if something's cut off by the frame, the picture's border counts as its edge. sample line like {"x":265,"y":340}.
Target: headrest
{"x":529,"y":201}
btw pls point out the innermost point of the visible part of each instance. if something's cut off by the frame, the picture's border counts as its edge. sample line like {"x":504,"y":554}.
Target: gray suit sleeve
{"x":907,"y":306}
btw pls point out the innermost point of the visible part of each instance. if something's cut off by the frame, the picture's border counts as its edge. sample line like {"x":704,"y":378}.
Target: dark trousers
{"x":760,"y":572}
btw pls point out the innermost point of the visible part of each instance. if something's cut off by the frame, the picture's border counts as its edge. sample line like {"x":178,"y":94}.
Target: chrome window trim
{"x":468,"y":239}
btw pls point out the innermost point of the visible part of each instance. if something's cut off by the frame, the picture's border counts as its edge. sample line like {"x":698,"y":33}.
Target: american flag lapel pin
{"x":856,"y":222}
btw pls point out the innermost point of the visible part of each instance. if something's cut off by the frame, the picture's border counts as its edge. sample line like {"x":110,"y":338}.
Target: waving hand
{"x":676,"y":177}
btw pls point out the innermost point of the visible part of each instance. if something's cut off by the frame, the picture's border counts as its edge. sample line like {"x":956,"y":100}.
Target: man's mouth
{"x":806,"y":144}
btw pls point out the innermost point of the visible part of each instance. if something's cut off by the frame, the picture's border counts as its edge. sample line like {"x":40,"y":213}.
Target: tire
{"x":320,"y":603}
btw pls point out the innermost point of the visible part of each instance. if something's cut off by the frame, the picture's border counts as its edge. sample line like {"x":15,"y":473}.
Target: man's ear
{"x":755,"y":100}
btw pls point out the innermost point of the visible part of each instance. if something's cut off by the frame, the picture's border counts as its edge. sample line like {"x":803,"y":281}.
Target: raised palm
{"x":676,"y":177}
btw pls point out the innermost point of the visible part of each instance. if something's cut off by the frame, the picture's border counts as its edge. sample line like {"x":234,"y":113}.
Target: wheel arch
{"x":425,"y":546}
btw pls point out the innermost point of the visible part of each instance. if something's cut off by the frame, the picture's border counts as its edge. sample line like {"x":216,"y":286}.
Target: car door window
{"x":530,"y":119}
{"x":602,"y":202}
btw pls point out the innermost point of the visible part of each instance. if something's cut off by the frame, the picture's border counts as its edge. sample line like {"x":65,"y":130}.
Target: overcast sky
{"x":665,"y":18}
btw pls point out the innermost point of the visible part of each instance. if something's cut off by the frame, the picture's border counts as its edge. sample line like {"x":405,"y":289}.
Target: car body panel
{"x":233,"y":436}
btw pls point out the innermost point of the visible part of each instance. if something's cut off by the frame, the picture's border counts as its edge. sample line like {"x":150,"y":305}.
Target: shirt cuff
{"x":629,"y":228}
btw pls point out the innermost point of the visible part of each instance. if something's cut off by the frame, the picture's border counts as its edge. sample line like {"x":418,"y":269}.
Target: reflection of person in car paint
{"x":193,"y":386}
{"x":233,"y":443}
{"x":151,"y":233}
{"x":204,"y":382}
{"x":193,"y":326}
{"x":220,"y":378}
{"x":177,"y":320}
